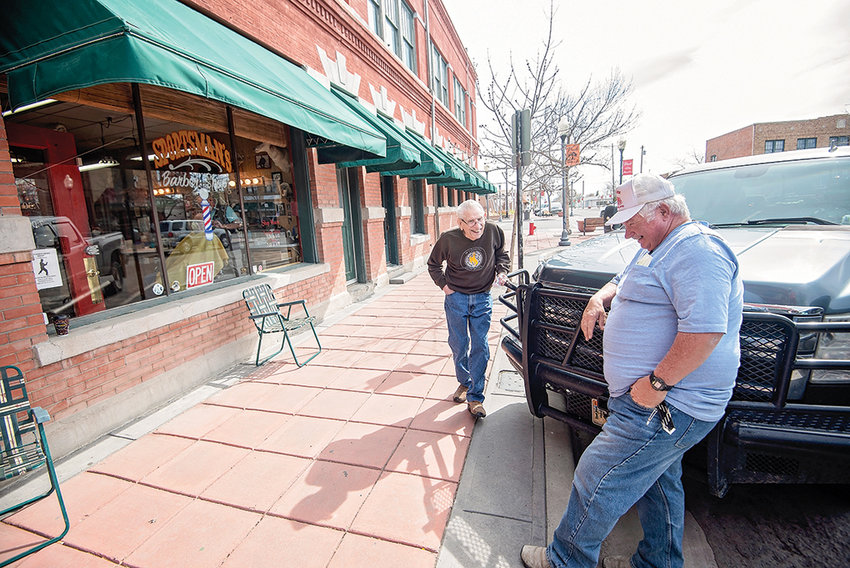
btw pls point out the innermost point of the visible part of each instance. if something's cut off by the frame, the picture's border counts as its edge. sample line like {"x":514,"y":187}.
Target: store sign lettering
{"x":199,"y":274}
{"x":191,"y":144}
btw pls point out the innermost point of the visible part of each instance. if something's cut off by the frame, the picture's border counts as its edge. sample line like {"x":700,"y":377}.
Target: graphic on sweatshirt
{"x":473,"y":258}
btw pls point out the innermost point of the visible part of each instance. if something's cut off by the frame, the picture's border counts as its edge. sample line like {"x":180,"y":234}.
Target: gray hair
{"x":468,"y":205}
{"x":676,"y":203}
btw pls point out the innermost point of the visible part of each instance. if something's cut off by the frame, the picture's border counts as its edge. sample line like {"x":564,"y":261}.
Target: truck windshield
{"x":809,"y":190}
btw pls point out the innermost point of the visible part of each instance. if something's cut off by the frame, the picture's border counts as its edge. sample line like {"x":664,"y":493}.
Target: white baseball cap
{"x":637,"y":192}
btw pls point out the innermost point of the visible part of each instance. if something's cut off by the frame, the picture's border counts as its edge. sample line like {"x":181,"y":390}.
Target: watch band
{"x":658,"y":383}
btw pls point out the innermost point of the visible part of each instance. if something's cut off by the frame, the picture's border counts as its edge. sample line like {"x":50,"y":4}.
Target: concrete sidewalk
{"x":359,"y":458}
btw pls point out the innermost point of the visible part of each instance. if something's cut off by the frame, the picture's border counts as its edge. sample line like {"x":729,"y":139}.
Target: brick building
{"x":157,"y":157}
{"x":767,"y":137}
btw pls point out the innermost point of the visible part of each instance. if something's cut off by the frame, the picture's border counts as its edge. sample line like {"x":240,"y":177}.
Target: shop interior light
{"x":32,"y":106}
{"x":106,"y":162}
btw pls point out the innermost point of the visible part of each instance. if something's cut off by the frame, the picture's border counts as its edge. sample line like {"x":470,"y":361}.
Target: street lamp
{"x":563,"y":130}
{"x":622,"y":146}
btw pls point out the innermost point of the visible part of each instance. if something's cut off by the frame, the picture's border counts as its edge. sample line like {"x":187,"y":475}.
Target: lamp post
{"x":563,"y":130}
{"x":622,"y":146}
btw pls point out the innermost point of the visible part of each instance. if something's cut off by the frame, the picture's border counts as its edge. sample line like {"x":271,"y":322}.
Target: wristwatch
{"x":658,"y":383}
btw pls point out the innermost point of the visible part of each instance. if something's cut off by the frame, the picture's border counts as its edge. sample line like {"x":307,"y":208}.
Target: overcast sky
{"x":699,"y":70}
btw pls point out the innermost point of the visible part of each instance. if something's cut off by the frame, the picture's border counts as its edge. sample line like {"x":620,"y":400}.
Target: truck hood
{"x":799,"y":265}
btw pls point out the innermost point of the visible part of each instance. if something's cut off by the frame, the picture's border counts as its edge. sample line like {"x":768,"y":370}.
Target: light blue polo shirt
{"x":689,"y":283}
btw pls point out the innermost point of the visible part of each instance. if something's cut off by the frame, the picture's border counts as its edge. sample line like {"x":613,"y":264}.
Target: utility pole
{"x":521,"y":143}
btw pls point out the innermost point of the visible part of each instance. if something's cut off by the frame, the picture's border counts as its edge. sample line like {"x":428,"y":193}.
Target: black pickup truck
{"x":787,"y":216}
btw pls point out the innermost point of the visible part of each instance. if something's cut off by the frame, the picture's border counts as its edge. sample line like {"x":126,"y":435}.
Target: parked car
{"x":173,"y":231}
{"x":787,"y":216}
{"x":48,"y":231}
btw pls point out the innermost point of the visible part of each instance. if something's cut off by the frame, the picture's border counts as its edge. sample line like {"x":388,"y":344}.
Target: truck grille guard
{"x":545,"y":345}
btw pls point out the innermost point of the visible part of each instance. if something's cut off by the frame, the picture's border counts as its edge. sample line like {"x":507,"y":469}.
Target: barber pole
{"x":208,"y":229}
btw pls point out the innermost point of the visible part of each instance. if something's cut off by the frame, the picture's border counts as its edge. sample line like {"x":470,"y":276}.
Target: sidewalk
{"x":359,"y":458}
{"x":352,"y":460}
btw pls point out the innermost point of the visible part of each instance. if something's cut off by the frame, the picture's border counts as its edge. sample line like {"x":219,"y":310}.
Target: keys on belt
{"x":666,"y":418}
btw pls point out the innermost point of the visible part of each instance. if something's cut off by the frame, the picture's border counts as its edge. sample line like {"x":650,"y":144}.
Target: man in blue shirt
{"x":671,"y":354}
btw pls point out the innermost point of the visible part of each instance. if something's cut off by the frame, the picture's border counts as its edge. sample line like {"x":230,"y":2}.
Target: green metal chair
{"x":24,"y":447}
{"x":268,"y":318}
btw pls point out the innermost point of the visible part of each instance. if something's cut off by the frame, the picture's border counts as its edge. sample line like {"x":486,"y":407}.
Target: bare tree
{"x":691,"y":158}
{"x":597,"y":112}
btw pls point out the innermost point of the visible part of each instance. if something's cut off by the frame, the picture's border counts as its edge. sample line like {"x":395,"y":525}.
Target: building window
{"x":771,"y":146}
{"x":839,"y":141}
{"x":417,"y":206}
{"x":713,"y":158}
{"x":460,"y":103}
{"x":375,"y":17}
{"x":806,"y":143}
{"x":440,"y":76}
{"x":392,"y":20}
{"x":408,"y":37}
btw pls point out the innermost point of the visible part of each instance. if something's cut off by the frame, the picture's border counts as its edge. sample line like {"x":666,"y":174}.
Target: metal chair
{"x":268,"y":317}
{"x":24,"y":447}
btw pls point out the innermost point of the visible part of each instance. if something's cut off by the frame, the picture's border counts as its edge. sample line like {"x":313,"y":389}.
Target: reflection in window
{"x":81,"y":179}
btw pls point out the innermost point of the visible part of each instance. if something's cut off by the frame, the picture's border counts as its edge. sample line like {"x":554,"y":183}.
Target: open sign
{"x":199,"y":274}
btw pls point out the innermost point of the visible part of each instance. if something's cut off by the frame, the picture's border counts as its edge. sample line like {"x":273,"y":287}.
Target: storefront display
{"x":219,"y":200}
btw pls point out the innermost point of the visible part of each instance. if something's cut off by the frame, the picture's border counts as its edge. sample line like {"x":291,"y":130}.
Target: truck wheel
{"x":115,"y":272}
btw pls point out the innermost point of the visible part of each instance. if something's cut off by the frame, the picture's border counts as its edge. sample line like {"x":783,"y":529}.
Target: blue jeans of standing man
{"x":468,"y":319}
{"x":633,"y":460}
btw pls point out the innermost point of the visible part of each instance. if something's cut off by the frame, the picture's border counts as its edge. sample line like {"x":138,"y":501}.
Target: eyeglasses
{"x":471,"y":222}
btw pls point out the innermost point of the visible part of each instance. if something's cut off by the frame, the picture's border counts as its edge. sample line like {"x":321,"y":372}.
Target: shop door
{"x":50,"y":192}
{"x":390,"y":232}
{"x":352,"y":235}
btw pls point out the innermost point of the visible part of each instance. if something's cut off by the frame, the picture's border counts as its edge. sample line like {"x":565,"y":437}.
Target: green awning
{"x":473,"y":181}
{"x":52,"y":46}
{"x":430,"y":164}
{"x":401,"y":153}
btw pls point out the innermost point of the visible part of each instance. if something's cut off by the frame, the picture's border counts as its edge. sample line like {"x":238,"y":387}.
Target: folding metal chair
{"x":24,"y":447}
{"x":267,"y":316}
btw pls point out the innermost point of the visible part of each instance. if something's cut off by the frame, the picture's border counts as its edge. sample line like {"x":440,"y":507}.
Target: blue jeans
{"x":633,"y":460}
{"x":468,"y":319}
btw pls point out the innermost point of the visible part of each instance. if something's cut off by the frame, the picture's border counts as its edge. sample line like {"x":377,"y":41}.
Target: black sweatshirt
{"x":471,"y":266}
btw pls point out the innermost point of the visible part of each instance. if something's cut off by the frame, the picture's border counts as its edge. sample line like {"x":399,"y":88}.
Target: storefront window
{"x":81,"y":179}
{"x":271,"y":209}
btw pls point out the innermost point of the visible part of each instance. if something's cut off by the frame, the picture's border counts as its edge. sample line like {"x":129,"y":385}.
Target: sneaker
{"x":476,"y":409}
{"x":460,"y":394}
{"x":616,"y":562}
{"x":534,"y":557}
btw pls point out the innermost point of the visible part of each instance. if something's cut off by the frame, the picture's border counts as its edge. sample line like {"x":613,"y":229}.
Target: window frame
{"x":460,"y":102}
{"x":439,"y":76}
{"x":774,"y":146}
{"x":807,"y":143}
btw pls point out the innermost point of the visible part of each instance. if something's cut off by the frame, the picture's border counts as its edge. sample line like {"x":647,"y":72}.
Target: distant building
{"x":767,"y":137}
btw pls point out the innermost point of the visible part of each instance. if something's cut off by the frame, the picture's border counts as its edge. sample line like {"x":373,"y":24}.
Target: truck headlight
{"x":833,"y":346}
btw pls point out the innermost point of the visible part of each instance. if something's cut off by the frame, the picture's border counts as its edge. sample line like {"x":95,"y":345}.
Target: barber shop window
{"x":222,"y":211}
{"x":417,"y":206}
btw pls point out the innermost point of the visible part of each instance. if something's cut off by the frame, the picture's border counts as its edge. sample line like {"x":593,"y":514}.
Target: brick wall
{"x":749,"y":141}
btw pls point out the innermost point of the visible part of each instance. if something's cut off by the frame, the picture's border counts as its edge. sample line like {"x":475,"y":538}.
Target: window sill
{"x":106,"y":329}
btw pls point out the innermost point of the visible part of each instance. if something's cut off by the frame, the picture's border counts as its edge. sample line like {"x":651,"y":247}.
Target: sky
{"x":698,"y":69}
